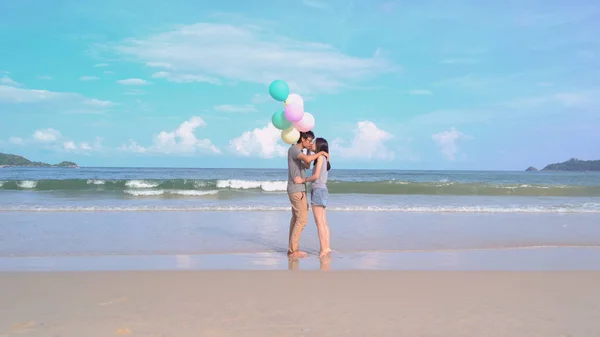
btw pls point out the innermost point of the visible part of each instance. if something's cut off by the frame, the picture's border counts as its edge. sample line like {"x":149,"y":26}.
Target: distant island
{"x":572,"y":164}
{"x":11,"y":160}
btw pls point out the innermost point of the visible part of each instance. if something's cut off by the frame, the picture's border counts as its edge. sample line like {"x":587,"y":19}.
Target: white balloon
{"x":306,"y":123}
{"x":290,"y":135}
{"x":294,"y":99}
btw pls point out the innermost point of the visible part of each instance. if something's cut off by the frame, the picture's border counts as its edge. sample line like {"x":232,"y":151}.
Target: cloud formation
{"x":53,"y":139}
{"x":133,"y":81}
{"x":185,"y":78}
{"x":369,"y":142}
{"x":262,"y":142}
{"x":447,"y":141}
{"x":182,"y":140}
{"x":12,"y":92}
{"x":216,"y":52}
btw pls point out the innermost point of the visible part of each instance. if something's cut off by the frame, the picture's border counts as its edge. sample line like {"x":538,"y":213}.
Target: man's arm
{"x":308,"y":158}
{"x":315,"y":176}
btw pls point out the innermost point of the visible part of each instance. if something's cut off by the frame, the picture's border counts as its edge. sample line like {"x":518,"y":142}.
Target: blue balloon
{"x":279,"y":90}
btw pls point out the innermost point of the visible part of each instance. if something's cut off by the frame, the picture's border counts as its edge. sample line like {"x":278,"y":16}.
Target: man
{"x":298,"y":162}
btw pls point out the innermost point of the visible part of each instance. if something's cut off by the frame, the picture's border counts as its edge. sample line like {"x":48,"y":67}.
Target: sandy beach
{"x":284,"y":303}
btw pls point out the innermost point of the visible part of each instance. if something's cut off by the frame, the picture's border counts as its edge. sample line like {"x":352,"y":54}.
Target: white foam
{"x":192,"y":192}
{"x":268,"y":186}
{"x":152,"y":193}
{"x":200,"y":184}
{"x":145,"y":193}
{"x":594,"y":209}
{"x":27,"y":184}
{"x":2,"y":183}
{"x":141,"y":184}
{"x":95,"y":182}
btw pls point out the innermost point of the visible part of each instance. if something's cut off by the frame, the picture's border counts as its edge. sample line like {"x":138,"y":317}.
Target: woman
{"x":319,"y":193}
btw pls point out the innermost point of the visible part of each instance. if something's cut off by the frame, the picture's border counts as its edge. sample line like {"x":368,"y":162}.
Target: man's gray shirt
{"x":295,"y":169}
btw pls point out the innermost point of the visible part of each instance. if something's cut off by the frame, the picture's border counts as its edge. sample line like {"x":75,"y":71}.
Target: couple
{"x":298,"y":162}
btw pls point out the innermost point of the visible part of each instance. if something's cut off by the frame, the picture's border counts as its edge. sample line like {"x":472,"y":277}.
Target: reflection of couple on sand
{"x":298,"y":162}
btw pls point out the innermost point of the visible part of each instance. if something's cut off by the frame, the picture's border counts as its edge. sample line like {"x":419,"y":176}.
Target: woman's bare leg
{"x":322,"y":229}
{"x":327,"y":234}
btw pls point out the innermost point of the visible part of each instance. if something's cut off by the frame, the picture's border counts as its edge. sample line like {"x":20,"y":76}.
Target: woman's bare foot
{"x":325,"y":252}
{"x":298,"y":254}
{"x":325,"y":263}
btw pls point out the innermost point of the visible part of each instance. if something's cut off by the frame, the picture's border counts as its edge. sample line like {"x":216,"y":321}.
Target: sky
{"x":477,"y":85}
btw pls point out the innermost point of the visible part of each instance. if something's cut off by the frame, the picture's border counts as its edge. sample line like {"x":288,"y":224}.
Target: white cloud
{"x":8,"y":81}
{"x":16,"y":140}
{"x":54,"y":140}
{"x":576,"y":99}
{"x":259,"y":98}
{"x":419,"y":92}
{"x":159,"y":65}
{"x":447,"y":141}
{"x":134,"y":92}
{"x":98,"y":103}
{"x":10,"y":94}
{"x":69,"y":146}
{"x":47,"y":135}
{"x":133,"y":147}
{"x":263,"y":142}
{"x":185,"y":78}
{"x":182,"y":140}
{"x":133,"y":81}
{"x":252,"y":54}
{"x":63,"y":101}
{"x":83,"y":147}
{"x":100,"y":65}
{"x":89,"y":78}
{"x":368,"y":143}
{"x":235,"y":108}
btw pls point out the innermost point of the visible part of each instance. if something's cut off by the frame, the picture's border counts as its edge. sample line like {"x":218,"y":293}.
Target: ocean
{"x":163,"y":189}
{"x":60,"y":218}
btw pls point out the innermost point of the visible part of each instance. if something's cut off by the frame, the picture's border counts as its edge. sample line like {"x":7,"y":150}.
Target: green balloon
{"x":279,"y":90}
{"x":279,"y":120}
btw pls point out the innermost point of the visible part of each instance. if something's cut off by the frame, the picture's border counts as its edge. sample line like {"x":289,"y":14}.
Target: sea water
{"x":378,"y":219}
{"x":161,"y":189}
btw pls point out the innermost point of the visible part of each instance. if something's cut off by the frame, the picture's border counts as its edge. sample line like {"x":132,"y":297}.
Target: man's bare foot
{"x":325,"y":263}
{"x":325,"y":252}
{"x":298,"y":254}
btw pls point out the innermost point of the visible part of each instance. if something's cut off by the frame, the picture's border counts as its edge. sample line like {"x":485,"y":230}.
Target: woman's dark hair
{"x":321,"y":145}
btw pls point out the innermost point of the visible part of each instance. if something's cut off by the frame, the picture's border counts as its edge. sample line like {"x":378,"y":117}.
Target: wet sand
{"x":302,"y":303}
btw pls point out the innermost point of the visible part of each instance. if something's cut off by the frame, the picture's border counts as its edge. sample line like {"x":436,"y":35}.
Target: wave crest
{"x":387,"y":187}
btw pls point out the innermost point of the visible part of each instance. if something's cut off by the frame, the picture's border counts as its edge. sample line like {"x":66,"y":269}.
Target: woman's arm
{"x":317,"y":172}
{"x":309,"y":158}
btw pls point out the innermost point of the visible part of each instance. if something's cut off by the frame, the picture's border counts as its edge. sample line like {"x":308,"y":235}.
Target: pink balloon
{"x":293,"y":112}
{"x":306,"y":123}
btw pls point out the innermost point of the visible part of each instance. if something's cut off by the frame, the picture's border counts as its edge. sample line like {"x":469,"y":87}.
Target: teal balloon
{"x":279,"y":120}
{"x":279,"y":90}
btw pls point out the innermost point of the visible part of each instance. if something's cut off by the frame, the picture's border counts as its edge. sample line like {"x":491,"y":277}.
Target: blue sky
{"x":447,"y":85}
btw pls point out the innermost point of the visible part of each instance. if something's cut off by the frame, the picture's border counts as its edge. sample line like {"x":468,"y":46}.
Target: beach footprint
{"x":114,"y":301}
{"x":25,"y":327}
{"x":123,"y":331}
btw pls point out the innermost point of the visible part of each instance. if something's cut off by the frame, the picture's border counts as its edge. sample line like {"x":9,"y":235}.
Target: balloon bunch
{"x":292,"y":119}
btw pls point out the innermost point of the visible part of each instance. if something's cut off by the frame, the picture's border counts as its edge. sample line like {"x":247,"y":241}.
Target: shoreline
{"x":513,"y":259}
{"x":280,"y":303}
